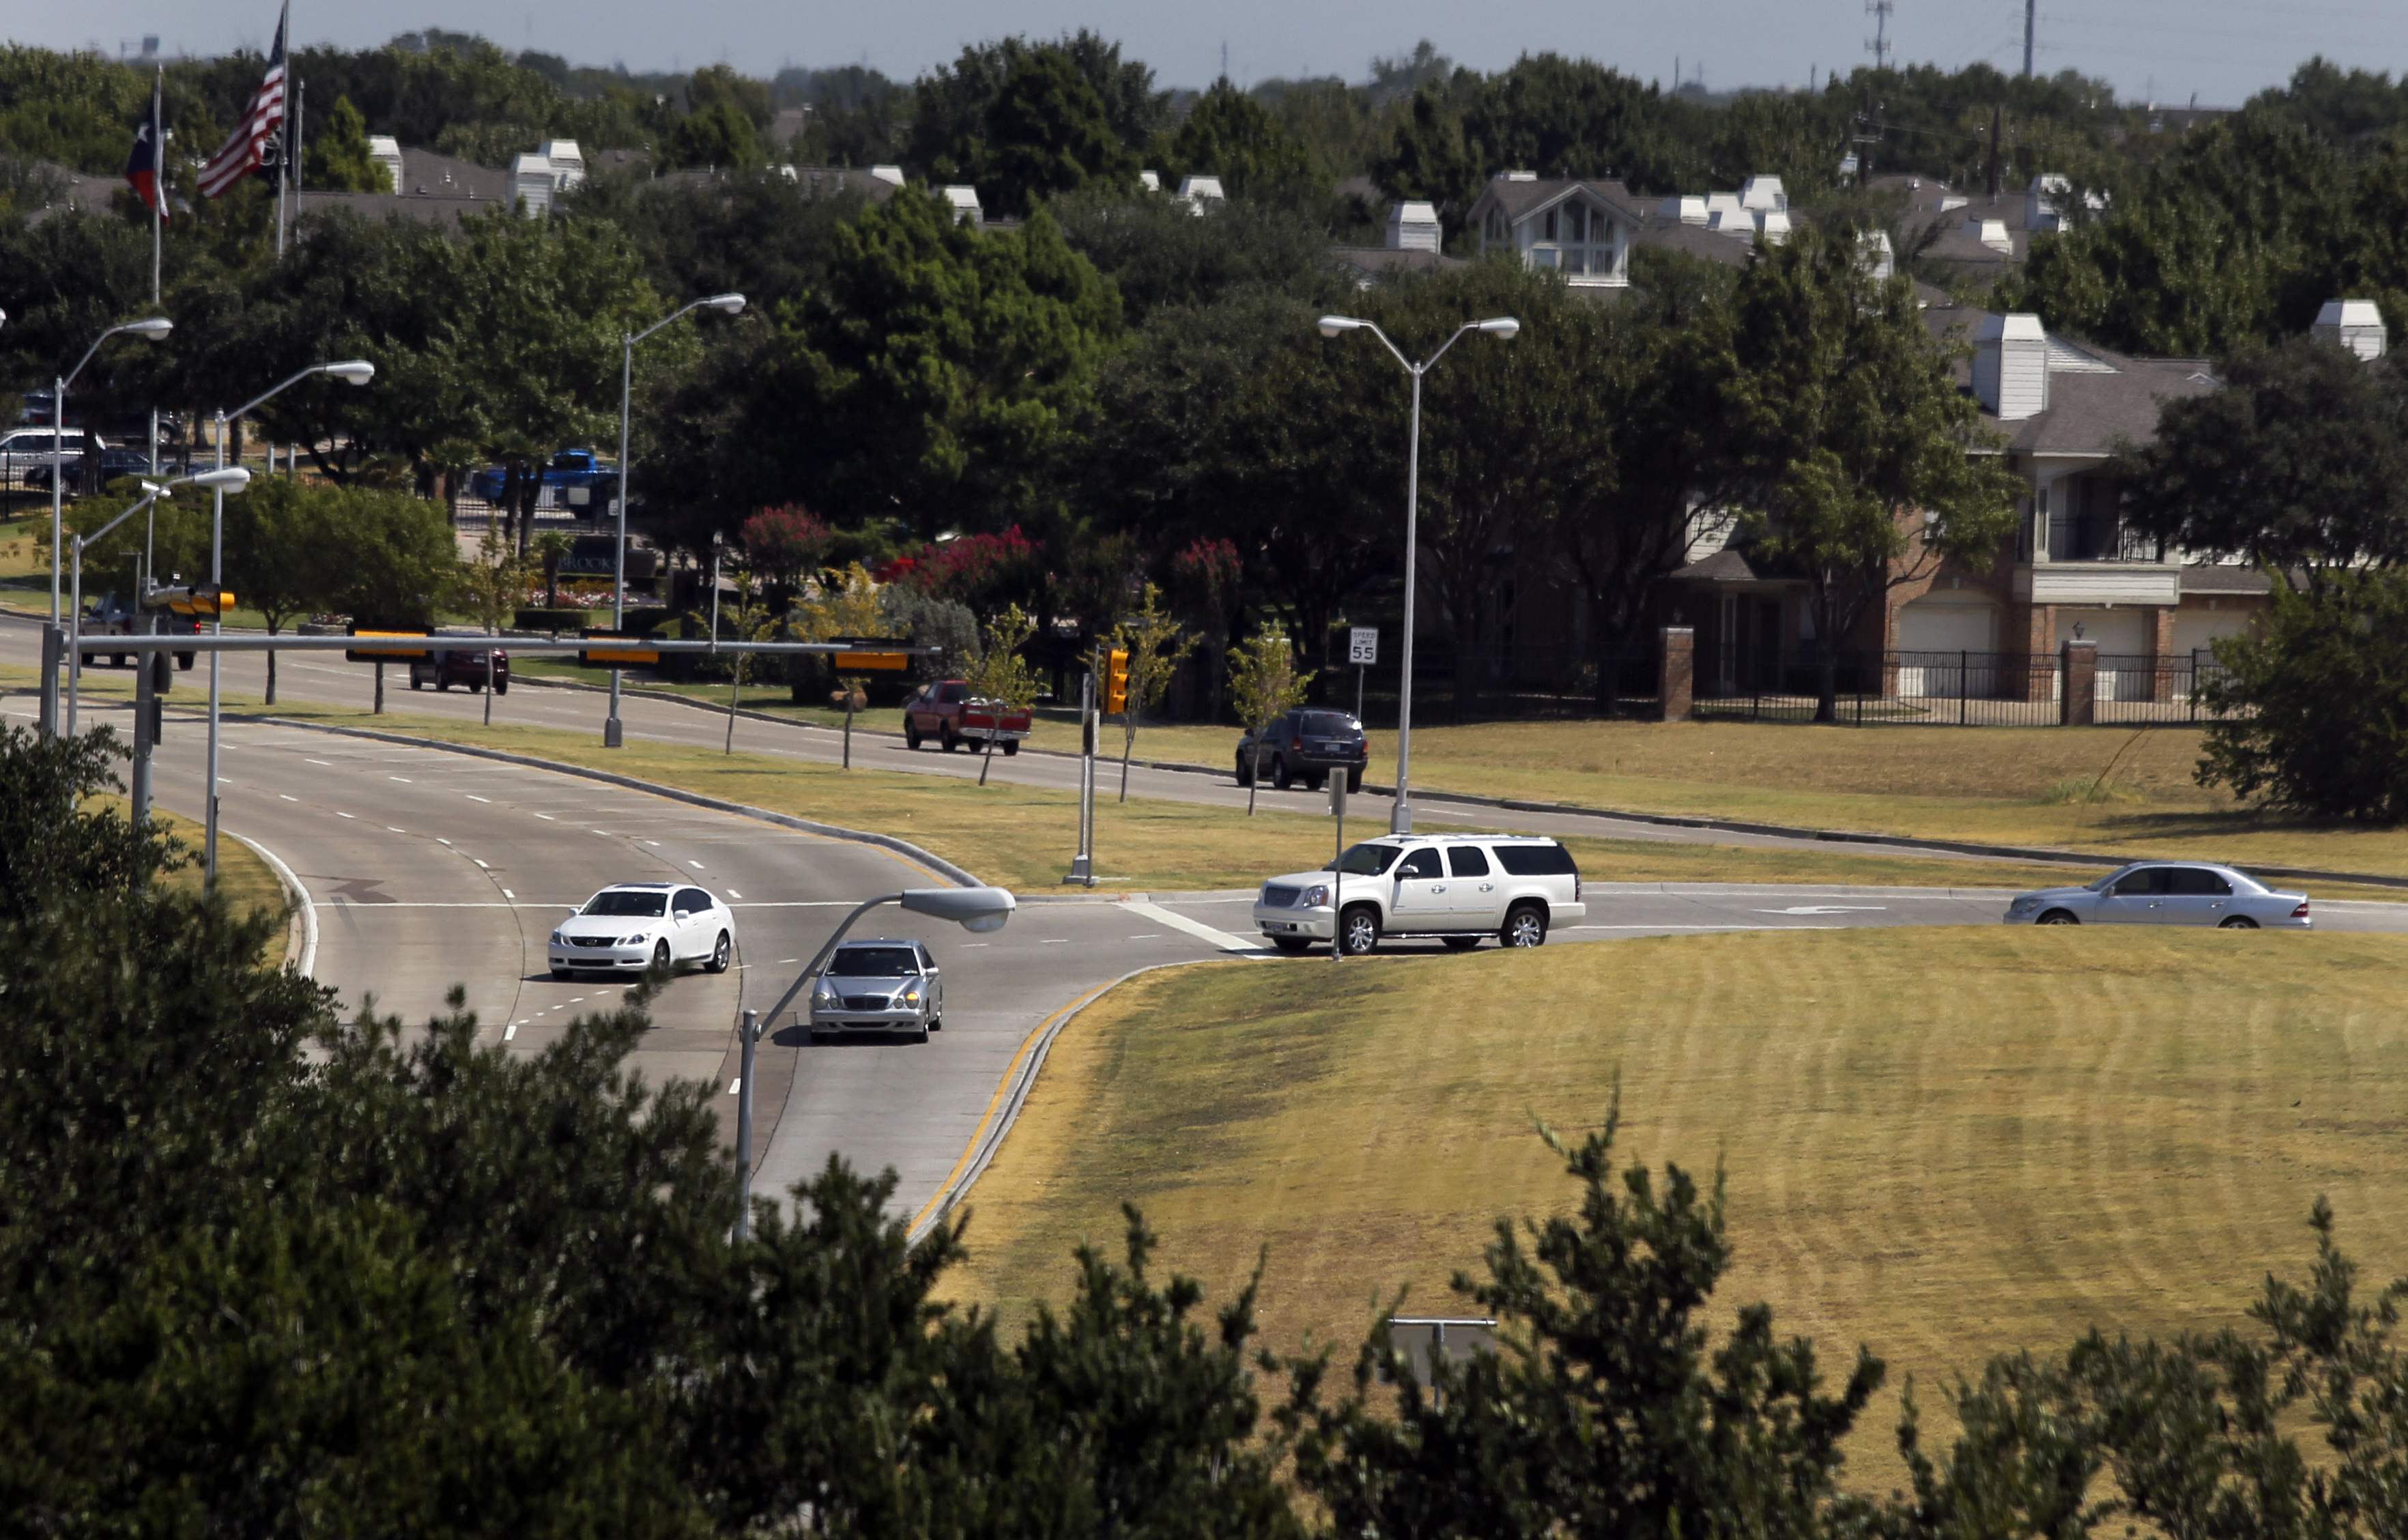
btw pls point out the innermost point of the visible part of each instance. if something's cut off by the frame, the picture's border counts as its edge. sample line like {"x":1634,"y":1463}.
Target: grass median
{"x":1023,"y":837}
{"x":1943,"y":1144}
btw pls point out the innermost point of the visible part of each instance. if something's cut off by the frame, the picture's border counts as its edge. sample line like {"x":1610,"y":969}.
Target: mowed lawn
{"x":1943,"y":1143}
{"x":2115,"y":790}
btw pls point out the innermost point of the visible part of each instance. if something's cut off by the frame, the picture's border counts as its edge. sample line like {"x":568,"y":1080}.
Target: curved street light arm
{"x":1431,"y":362}
{"x":238,"y":413}
{"x":656,"y":325}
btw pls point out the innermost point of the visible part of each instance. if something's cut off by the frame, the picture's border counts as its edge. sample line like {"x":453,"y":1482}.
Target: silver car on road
{"x":885,"y":986}
{"x":2166,"y":893}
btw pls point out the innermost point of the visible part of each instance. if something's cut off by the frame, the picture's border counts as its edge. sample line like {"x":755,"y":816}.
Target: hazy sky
{"x":2221,"y":50}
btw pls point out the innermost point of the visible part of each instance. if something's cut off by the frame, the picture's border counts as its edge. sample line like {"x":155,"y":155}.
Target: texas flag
{"x":142,"y":167}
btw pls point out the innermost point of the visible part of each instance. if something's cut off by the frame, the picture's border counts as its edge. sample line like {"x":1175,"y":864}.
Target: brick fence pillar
{"x":2078,"y":703}
{"x":1676,"y":675}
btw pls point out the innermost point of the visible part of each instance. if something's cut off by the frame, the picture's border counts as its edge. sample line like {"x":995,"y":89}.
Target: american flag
{"x":246,"y":149}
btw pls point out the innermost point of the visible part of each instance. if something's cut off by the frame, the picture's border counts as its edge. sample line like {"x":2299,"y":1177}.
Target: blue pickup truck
{"x":580,"y":481}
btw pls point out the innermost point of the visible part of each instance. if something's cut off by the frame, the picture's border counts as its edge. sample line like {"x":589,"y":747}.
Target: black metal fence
{"x":1963,"y":689}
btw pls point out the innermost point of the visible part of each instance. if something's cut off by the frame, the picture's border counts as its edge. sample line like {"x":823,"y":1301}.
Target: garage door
{"x":1934,"y":624}
{"x":2120,"y":633}
{"x":2194,"y":628}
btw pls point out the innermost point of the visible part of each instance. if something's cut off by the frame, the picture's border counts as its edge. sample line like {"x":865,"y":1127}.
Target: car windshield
{"x":1364,"y":861}
{"x":647,"y":904}
{"x":873,"y":962}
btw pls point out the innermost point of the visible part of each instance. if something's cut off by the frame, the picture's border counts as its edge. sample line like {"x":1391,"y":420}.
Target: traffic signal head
{"x":1116,"y":682}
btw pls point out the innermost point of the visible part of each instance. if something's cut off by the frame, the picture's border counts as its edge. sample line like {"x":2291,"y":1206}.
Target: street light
{"x":350,"y":371}
{"x":235,"y":476}
{"x":1504,"y":328}
{"x":976,"y":909}
{"x":151,"y":330}
{"x":612,"y":734}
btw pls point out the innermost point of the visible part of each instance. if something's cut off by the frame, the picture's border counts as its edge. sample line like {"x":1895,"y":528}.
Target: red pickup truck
{"x":948,"y":712}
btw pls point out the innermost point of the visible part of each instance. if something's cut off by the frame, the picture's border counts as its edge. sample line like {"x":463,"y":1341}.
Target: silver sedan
{"x":2166,"y":893}
{"x":884,"y":986}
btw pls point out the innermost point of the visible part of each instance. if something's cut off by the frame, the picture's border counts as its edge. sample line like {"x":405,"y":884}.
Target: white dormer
{"x":386,"y":152}
{"x":1196,"y":191}
{"x":567,"y":163}
{"x":531,"y":181}
{"x":1772,"y":224}
{"x":891,"y":175}
{"x":1689,"y":208}
{"x":1412,"y":228}
{"x":965,"y":203}
{"x":2010,"y":357}
{"x":1763,"y":194}
{"x":1149,"y":180}
{"x":2353,"y":323}
{"x":1876,"y":255}
{"x":1518,"y":176}
{"x":1991,"y":233}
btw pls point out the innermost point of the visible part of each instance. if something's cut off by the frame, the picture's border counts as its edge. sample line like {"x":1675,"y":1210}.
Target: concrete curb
{"x":1004,"y":1111}
{"x":943,"y":867}
{"x":304,"y":908}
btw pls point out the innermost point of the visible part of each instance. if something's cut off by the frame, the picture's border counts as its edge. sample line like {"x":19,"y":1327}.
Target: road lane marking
{"x":1198,"y":929}
{"x":328,"y":763}
{"x":1829,"y":909}
{"x":342,"y":815}
{"x":733,"y":894}
{"x":733,"y":1085}
{"x":287,"y":799}
{"x":403,"y":779}
{"x":1053,"y":940}
{"x":696,"y":865}
{"x":507,"y":893}
{"x":1150,"y":935}
{"x":474,"y":798}
{"x":390,"y":830}
{"x":547,"y":817}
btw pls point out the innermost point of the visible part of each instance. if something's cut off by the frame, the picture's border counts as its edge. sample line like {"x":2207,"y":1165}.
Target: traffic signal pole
{"x":1082,"y":865}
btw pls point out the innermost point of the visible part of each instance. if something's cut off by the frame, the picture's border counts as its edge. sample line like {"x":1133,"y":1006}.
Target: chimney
{"x":2011,"y":366}
{"x":386,"y":152}
{"x":1690,"y":208}
{"x":1196,"y":191}
{"x":1876,"y":255}
{"x":1412,"y":228}
{"x":567,"y":163}
{"x":891,"y":175}
{"x":2353,"y":323}
{"x":1518,"y":176}
{"x":1149,"y":180}
{"x":532,"y":180}
{"x":2044,"y":202}
{"x":964,"y":205}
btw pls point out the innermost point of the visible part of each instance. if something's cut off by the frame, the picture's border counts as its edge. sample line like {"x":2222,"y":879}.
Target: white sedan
{"x":2166,"y":893}
{"x":630,"y":927}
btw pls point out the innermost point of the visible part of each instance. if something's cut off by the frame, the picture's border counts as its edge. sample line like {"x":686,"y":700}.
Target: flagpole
{"x":158,"y":200}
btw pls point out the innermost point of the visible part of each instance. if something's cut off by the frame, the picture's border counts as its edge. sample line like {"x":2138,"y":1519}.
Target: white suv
{"x":1458,"y":888}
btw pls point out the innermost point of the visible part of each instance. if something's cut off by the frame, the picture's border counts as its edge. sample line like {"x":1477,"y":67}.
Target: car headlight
{"x":1313,"y":897}
{"x":638,"y":939}
{"x":2023,"y":906}
{"x":910,"y":995}
{"x":822,"y":990}
{"x":559,"y":940}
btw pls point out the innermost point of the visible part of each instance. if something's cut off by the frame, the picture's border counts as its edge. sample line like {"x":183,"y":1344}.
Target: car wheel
{"x":1280,"y":776}
{"x":1245,"y":772}
{"x":2238,"y":922}
{"x":1354,"y":780}
{"x":184,"y":662}
{"x":946,"y":741}
{"x":1460,"y":944}
{"x":417,"y":680}
{"x":502,"y":686}
{"x":1011,"y":747}
{"x":911,"y":736}
{"x":936,"y":1024}
{"x":441,"y":684}
{"x":1290,"y":944}
{"x":660,"y":955}
{"x":1359,"y":930}
{"x":719,"y":953}
{"x":1526,"y":924}
{"x":1316,"y":781}
{"x":2059,"y":916}
{"x":117,"y":660}
{"x":476,"y":686}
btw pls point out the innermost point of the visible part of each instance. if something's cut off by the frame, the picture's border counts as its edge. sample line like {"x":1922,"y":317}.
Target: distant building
{"x":1577,"y":228}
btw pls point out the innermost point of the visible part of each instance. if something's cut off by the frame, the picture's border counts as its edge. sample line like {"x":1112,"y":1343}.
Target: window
{"x":2197,"y":883}
{"x":873,"y":962}
{"x":1366,"y":860}
{"x":1466,"y":861}
{"x":1579,"y":222}
{"x":1547,"y":860}
{"x":637,"y":905}
{"x":2147,"y":883}
{"x":1421,"y":863}
{"x":1551,"y":226}
{"x":953,"y":695}
{"x":692,"y":898}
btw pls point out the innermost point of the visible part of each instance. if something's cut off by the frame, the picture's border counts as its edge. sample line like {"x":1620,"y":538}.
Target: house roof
{"x":2204,"y":577}
{"x":1696,"y":240}
{"x":1519,"y":200}
{"x":2103,"y":399}
{"x":1728,"y":565}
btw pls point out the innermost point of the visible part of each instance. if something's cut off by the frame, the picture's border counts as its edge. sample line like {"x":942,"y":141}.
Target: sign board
{"x":1423,"y":1338}
{"x":872,"y":662}
{"x":380,"y":654}
{"x":1363,"y":645}
{"x":634,"y":653}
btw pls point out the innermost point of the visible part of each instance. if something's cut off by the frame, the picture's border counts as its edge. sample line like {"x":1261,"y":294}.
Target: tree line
{"x":267,"y":1270}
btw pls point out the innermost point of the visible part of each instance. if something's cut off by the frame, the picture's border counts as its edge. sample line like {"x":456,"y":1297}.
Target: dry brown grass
{"x":1943,"y":1144}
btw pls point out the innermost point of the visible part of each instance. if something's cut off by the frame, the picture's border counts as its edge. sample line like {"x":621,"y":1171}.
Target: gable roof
{"x":2097,"y":397}
{"x":1519,"y":200}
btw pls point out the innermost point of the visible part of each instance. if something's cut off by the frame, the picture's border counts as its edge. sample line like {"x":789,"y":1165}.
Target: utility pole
{"x":1879,"y":11}
{"x":1997,"y":126}
{"x":2029,"y":8}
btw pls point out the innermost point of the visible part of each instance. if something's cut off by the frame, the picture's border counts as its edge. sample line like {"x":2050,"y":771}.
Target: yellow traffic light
{"x":1115,"y":682}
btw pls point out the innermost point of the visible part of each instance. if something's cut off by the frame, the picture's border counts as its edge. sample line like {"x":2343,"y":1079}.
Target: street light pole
{"x":352,"y":371}
{"x":151,"y":330}
{"x":613,"y":733}
{"x":978,"y":909}
{"x":1504,"y":328}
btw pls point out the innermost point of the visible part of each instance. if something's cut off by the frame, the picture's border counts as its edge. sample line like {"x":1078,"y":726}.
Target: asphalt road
{"x":429,"y":870}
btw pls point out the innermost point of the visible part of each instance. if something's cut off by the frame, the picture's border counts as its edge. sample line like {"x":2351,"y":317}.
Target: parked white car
{"x":2166,"y":893}
{"x":879,"y":987}
{"x":1458,"y":888}
{"x":630,"y":927}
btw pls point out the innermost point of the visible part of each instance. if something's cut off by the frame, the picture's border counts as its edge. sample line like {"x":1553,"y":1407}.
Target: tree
{"x":284,"y":553}
{"x":491,"y":584}
{"x":783,"y":544}
{"x":1602,"y":1413}
{"x":2312,"y":712}
{"x":552,"y":547}
{"x":339,"y":158}
{"x":955,"y":132}
{"x":1157,"y":645}
{"x":1228,"y":134}
{"x":1048,"y":132}
{"x":1001,"y":676}
{"x":396,"y":561}
{"x":1263,"y":683}
{"x":716,"y":136}
{"x":1854,"y":455}
{"x":2299,"y":463}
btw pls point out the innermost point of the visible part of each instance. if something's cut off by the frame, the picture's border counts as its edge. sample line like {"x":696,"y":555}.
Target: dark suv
{"x":452,"y":665}
{"x":1306,"y":744}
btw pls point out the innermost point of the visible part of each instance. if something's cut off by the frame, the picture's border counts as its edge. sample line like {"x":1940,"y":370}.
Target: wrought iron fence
{"x":1964,"y":689}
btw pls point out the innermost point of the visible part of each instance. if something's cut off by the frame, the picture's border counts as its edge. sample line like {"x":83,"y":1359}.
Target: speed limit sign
{"x":1363,"y":645}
